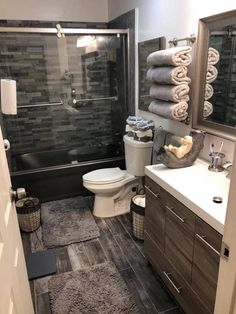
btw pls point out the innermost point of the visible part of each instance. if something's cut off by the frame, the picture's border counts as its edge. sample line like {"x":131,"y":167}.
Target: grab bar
{"x":115,"y":98}
{"x":95,"y":99}
{"x":42,"y":105}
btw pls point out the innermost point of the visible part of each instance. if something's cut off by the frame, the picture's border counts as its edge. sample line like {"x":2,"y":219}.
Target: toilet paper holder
{"x":7,"y":145}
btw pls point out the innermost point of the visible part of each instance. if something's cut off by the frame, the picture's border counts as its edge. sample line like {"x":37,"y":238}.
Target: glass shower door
{"x":72,"y":97}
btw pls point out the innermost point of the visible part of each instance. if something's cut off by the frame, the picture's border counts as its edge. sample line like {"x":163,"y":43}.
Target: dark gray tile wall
{"x":36,"y":62}
{"x":125,"y":21}
{"x":144,"y":49}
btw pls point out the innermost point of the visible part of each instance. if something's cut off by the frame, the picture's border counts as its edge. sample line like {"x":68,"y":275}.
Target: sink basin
{"x":195,"y":187}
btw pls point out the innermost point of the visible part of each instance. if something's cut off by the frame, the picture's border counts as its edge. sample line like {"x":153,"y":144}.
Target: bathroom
{"x":53,"y":147}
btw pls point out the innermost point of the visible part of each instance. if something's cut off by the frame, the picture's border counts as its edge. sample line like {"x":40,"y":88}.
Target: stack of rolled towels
{"x":169,"y":89}
{"x":139,"y":128}
{"x":212,"y":72}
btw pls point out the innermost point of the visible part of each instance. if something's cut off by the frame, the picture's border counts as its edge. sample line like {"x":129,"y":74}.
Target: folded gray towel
{"x":212,"y":73}
{"x":158,"y":142}
{"x":208,"y":109}
{"x":170,"y":92}
{"x":169,"y":110}
{"x":168,"y":75}
{"x":173,"y":56}
{"x":209,"y":91}
{"x":133,"y":120}
{"x":144,"y":125}
{"x":213,"y":56}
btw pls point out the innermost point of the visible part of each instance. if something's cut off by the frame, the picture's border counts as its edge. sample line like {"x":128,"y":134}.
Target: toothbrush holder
{"x":216,"y":164}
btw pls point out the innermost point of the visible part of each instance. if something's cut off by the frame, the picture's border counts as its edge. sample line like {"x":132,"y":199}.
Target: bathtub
{"x":53,"y":175}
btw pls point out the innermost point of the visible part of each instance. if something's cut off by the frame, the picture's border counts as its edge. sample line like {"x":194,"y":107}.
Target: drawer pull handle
{"x":201,"y":238}
{"x":150,"y":191}
{"x":177,"y":216}
{"x":178,"y":289}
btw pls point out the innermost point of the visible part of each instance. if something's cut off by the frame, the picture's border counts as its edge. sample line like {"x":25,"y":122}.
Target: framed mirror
{"x":214,"y":90}
{"x":144,"y":49}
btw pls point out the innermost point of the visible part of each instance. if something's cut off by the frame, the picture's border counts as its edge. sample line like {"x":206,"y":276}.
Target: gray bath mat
{"x":67,"y":221}
{"x":98,"y":289}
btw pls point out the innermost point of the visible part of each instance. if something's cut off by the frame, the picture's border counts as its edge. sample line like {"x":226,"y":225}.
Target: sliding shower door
{"x":71,"y":95}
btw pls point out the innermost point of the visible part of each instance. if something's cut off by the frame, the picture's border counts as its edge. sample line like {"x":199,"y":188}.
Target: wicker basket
{"x":28,"y":213}
{"x":137,"y":217}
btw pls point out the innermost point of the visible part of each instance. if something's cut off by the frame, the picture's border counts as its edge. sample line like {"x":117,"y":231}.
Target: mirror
{"x":144,"y":49}
{"x":214,"y":90}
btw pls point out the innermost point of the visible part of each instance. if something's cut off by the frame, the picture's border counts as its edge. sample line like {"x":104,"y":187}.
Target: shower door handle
{"x":7,"y":144}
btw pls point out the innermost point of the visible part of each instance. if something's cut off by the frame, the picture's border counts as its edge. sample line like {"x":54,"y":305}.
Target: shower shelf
{"x":115,"y":98}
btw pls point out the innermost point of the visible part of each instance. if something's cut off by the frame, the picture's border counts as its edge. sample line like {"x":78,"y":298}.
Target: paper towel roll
{"x":8,"y":96}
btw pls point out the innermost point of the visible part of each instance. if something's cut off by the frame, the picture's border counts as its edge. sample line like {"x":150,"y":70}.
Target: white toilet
{"x":112,"y":185}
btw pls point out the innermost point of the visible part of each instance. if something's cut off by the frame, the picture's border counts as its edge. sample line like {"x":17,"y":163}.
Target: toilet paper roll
{"x":8,"y":96}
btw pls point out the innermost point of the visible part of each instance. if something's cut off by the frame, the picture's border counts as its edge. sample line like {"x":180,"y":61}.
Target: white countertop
{"x":195,"y":187}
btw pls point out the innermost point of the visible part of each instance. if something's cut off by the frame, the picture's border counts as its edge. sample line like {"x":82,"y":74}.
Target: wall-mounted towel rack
{"x":190,"y":39}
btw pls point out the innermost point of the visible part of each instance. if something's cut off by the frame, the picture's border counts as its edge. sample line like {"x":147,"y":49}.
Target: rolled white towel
{"x":170,"y":92}
{"x":140,"y":201}
{"x":209,"y":91}
{"x":168,"y":75}
{"x":173,"y":56}
{"x":212,"y":73}
{"x":169,"y":110}
{"x":213,"y":56}
{"x":208,"y":109}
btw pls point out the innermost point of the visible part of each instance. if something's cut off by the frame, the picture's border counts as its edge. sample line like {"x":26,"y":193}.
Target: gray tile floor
{"x":115,"y":244}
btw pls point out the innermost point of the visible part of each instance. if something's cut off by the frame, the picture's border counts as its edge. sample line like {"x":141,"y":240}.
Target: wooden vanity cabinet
{"x":183,"y":249}
{"x":155,"y":213}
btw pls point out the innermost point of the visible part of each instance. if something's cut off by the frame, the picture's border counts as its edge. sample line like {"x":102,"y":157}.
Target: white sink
{"x":195,"y":187}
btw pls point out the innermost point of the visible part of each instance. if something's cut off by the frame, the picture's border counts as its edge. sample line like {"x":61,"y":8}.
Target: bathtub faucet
{"x":73,"y":96}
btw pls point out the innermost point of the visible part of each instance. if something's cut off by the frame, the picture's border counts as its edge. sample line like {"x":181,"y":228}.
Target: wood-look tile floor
{"x":115,"y":244}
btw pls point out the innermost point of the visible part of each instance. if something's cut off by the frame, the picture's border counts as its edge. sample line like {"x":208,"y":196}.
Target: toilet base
{"x":105,"y":207}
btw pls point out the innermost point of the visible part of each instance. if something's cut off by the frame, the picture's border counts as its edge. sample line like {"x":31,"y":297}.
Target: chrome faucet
{"x":228,"y":166}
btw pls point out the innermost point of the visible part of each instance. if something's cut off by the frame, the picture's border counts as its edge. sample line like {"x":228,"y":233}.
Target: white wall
{"x":171,"y":18}
{"x":55,"y":10}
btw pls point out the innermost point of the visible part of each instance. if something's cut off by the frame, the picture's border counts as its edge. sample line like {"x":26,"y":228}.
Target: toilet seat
{"x":104,"y":176}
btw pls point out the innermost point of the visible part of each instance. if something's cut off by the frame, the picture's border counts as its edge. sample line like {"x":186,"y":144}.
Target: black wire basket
{"x":137,"y":217}
{"x":28,"y":213}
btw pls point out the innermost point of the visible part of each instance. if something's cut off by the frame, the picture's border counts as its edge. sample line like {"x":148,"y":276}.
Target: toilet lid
{"x":104,"y":176}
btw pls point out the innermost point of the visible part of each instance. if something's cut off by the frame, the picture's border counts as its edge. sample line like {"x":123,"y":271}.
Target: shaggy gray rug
{"x":97,"y":289}
{"x":67,"y":221}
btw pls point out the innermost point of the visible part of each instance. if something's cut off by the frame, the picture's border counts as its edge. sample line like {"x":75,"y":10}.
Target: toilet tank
{"x":137,"y":155}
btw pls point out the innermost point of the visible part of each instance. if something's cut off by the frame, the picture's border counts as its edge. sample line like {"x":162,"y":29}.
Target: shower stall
{"x":72,"y":99}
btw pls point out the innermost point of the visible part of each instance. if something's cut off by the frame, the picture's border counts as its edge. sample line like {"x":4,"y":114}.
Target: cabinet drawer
{"x":202,"y":286}
{"x":176,"y":284}
{"x":179,"y":247}
{"x":180,"y":213}
{"x":206,"y":261}
{"x":152,"y":188}
{"x":210,"y":235}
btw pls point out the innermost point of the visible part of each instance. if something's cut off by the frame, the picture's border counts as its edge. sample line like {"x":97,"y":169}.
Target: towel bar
{"x":191,"y":39}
